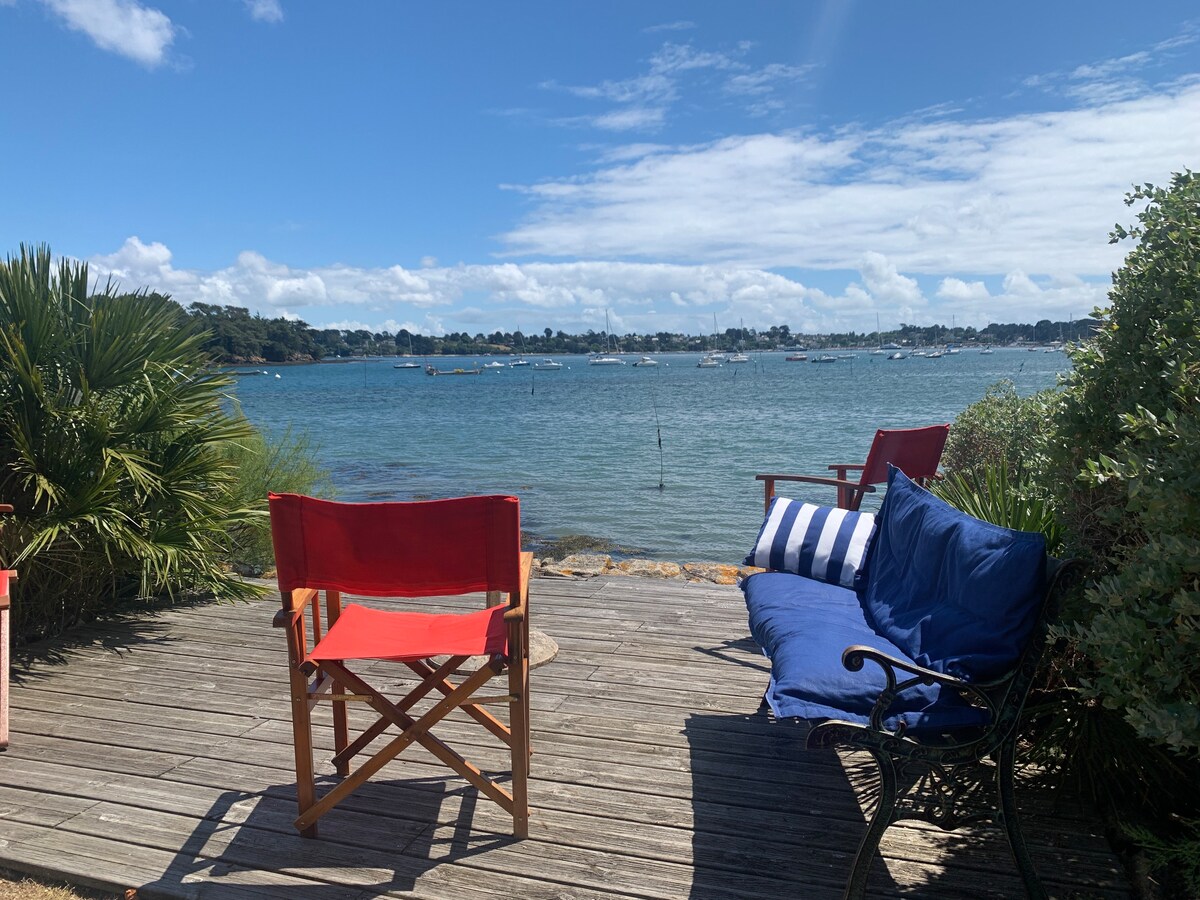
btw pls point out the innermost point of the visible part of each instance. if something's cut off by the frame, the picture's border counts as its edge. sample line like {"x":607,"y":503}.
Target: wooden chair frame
{"x":874,"y":471}
{"x":334,"y":681}
{"x":5,"y":640}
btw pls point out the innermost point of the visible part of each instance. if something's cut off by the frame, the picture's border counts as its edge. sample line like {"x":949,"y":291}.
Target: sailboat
{"x":408,"y":365}
{"x":606,"y":358}
{"x":520,"y":360}
{"x":878,"y":351}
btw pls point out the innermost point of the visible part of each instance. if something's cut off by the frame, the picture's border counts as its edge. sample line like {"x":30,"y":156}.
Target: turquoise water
{"x":579,"y":445}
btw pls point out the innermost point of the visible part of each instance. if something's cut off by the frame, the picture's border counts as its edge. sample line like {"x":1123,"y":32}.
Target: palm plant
{"x":111,"y":432}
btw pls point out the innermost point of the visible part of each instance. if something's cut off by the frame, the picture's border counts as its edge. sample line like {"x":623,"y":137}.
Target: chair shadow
{"x":382,"y":839}
{"x":118,"y":633}
{"x":739,"y":652}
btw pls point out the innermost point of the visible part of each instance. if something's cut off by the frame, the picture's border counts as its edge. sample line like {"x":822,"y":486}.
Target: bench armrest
{"x":853,"y":658}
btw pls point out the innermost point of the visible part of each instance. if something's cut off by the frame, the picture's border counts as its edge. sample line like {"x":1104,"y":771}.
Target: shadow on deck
{"x":141,"y":760}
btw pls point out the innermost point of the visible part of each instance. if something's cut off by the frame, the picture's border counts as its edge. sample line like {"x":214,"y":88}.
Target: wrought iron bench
{"x":915,"y":637}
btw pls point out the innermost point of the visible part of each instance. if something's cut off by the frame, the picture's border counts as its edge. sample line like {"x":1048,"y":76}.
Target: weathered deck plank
{"x":139,"y":759}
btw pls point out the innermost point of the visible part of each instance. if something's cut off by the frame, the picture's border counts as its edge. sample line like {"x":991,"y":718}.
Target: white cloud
{"x":574,"y":296}
{"x":955,"y":289}
{"x":265,"y":10}
{"x":138,"y":32}
{"x":1038,"y":191}
{"x":670,"y":26}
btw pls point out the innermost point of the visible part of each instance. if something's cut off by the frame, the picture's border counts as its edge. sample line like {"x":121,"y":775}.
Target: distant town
{"x":238,"y":336}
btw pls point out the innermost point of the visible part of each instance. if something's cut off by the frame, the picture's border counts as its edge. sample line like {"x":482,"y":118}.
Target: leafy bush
{"x":1003,"y":429}
{"x":1130,"y":442}
{"x":284,"y":465}
{"x":1126,"y":465}
{"x":111,"y":437}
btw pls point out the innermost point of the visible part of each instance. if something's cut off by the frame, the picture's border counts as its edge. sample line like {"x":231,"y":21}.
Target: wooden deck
{"x":138,"y":760}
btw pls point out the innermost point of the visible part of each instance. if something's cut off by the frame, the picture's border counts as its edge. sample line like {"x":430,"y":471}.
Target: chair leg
{"x":518,"y":707}
{"x":856,"y":884}
{"x":4,"y":664}
{"x":306,"y":792}
{"x":1005,"y":761}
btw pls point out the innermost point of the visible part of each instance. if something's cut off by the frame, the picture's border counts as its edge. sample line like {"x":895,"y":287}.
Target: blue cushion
{"x":954,"y":593}
{"x":804,"y":626}
{"x":813,"y":541}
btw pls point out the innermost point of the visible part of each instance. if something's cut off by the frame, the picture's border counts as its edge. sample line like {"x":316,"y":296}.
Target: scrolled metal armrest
{"x":855,"y":657}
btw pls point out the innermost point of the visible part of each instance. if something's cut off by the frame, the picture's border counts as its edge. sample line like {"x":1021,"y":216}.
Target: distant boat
{"x":897,"y":355}
{"x":547,"y":365}
{"x":985,"y":351}
{"x":796,"y":357}
{"x":646,"y":361}
{"x":513,"y":363}
{"x":708,"y":361}
{"x":494,"y":364}
{"x":434,"y":370}
{"x":738,"y":358}
{"x":825,"y":358}
{"x":606,"y":357}
{"x":936,"y":354}
{"x":408,"y":365}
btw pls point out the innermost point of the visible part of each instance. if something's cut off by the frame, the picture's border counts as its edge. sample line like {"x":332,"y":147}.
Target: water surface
{"x":579,"y":445}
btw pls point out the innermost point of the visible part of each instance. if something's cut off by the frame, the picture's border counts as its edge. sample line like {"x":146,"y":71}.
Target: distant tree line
{"x":239,"y":337}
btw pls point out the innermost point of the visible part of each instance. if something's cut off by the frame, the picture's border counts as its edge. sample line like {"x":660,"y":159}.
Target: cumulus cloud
{"x":575,"y":296}
{"x":1038,"y":191}
{"x":265,"y":10}
{"x":126,"y":27}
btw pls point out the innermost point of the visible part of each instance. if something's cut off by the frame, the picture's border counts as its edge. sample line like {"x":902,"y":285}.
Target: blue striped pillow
{"x":819,"y":542}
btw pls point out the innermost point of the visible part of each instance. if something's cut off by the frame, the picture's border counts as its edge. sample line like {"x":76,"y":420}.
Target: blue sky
{"x":480,"y":166}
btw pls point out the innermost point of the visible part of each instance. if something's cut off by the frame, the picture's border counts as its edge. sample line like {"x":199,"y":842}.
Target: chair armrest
{"x":518,"y":612}
{"x":300,"y":599}
{"x":819,"y":479}
{"x":847,"y":490}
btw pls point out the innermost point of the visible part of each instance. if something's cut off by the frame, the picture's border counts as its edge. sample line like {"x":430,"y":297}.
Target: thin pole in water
{"x":658,"y":429}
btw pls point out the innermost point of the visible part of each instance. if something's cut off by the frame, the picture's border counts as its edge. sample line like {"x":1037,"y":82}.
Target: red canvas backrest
{"x":428,"y":548}
{"x":914,"y":451}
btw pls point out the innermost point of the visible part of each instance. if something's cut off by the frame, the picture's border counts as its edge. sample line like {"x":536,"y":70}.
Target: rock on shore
{"x":590,"y":565}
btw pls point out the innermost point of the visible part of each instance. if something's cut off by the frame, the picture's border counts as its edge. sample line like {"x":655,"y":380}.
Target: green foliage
{"x":1129,"y":457}
{"x":111,"y":429}
{"x":1176,"y":852}
{"x":284,"y":465}
{"x":1003,"y":429}
{"x":988,"y":492}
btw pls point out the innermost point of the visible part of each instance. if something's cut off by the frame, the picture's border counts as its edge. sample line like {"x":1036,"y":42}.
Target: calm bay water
{"x":579,"y":445}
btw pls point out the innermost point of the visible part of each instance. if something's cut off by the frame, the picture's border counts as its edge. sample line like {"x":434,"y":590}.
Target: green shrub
{"x":284,"y":465}
{"x":111,"y":437}
{"x":1129,"y":443}
{"x":1003,"y":429}
{"x":988,"y":492}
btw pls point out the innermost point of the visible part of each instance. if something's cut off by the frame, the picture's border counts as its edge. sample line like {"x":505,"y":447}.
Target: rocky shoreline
{"x":591,"y":565}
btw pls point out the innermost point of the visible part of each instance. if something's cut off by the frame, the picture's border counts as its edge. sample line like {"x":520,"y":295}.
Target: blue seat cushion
{"x":803,"y":626}
{"x":955,"y":594}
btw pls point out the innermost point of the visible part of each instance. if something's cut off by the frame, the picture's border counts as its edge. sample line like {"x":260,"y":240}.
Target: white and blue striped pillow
{"x":819,"y":542}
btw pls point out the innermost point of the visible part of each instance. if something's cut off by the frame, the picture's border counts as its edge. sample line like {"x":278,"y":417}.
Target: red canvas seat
{"x":403,"y":550}
{"x":914,"y":451}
